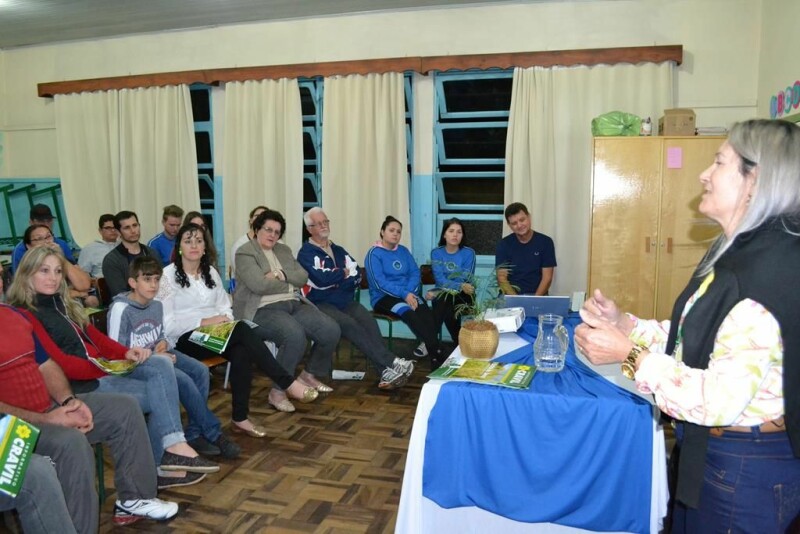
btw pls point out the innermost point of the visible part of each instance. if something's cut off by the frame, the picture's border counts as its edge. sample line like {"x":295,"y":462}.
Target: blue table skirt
{"x":574,"y":449}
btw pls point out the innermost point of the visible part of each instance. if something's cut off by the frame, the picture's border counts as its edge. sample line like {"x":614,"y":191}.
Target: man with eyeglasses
{"x":91,"y":256}
{"x":116,"y":262}
{"x":40,"y":214}
{"x":333,"y":276}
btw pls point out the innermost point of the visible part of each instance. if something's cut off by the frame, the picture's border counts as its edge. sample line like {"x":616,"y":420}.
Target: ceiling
{"x":33,"y":22}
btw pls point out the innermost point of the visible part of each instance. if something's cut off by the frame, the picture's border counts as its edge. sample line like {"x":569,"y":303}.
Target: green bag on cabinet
{"x":616,"y":123}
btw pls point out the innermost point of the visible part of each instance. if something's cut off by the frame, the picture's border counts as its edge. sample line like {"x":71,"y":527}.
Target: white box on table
{"x":506,"y":319}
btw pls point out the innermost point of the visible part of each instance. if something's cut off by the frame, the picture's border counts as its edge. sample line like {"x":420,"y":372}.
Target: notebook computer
{"x":535,"y":305}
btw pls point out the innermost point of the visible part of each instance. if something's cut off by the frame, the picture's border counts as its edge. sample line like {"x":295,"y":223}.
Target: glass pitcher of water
{"x":550,"y":347}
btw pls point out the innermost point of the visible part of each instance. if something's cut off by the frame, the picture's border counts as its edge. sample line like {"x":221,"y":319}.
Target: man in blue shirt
{"x":40,"y":214}
{"x":164,"y":242}
{"x":528,"y":258}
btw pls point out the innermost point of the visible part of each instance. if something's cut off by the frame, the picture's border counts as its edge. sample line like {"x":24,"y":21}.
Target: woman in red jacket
{"x":40,"y":290}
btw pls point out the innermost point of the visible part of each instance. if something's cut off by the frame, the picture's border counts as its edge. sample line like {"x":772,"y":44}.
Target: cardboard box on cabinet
{"x":678,"y":121}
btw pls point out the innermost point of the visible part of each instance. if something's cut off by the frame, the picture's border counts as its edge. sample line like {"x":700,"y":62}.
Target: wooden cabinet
{"x":647,"y":236}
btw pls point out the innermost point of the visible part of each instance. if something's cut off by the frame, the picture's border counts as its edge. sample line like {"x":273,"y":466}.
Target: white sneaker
{"x":392,"y":379}
{"x":405,"y":367}
{"x":127,"y":512}
{"x":421,"y":351}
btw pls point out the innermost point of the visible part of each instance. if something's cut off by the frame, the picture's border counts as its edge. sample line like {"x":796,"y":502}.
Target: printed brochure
{"x":214,"y":337}
{"x":510,"y":375}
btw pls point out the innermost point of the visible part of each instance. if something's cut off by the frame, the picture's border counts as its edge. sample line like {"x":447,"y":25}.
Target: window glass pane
{"x":307,"y":103}
{"x":493,"y":94}
{"x":473,"y":191}
{"x":309,"y":194}
{"x":201,"y":110}
{"x":308,"y":146}
{"x":483,"y":235}
{"x":474,"y":142}
{"x":202,"y":143}
{"x":206,"y":185}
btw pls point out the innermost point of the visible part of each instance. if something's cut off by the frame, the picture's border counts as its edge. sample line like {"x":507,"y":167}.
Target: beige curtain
{"x":128,"y":149}
{"x":158,"y":158}
{"x":549,"y":149}
{"x":87,"y":135}
{"x":364,"y":162}
{"x":263,"y":155}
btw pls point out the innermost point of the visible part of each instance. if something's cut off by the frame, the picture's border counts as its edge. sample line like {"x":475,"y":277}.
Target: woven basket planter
{"x":478,"y":339}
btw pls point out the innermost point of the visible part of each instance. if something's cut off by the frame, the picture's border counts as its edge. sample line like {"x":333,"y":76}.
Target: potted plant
{"x":478,"y":338}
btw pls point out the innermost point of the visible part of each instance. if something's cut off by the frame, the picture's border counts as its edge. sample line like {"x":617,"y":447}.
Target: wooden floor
{"x":335,"y":465}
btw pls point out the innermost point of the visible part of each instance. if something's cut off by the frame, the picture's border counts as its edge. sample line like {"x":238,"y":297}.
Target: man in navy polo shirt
{"x":528,"y":258}
{"x":40,"y":214}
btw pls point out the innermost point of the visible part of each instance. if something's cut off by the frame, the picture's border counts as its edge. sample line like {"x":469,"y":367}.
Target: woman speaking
{"x":727,"y":364}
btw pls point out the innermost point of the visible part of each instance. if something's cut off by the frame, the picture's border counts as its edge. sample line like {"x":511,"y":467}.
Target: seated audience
{"x":136,"y":320}
{"x":333,"y":276}
{"x":255,"y":212}
{"x":40,"y":502}
{"x":116,"y":262}
{"x":36,"y":390}
{"x":80,"y":284}
{"x":525,"y":259}
{"x":453,"y":266}
{"x":59,"y":323}
{"x":192,"y":295}
{"x":164,"y":242}
{"x":91,"y":257}
{"x":40,"y":214}
{"x":268,"y":279}
{"x":394,"y":285}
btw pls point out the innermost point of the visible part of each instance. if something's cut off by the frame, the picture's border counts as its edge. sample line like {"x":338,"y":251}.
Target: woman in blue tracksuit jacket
{"x":394,"y":285}
{"x":453,"y":266}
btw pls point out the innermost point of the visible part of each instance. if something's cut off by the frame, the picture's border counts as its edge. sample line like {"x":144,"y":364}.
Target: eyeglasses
{"x":326,"y":222}
{"x":40,"y":239}
{"x":108,"y":228}
{"x":269,"y":231}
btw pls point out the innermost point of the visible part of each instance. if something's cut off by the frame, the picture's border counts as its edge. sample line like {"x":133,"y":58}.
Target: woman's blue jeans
{"x":751,"y":484}
{"x":154,"y":385}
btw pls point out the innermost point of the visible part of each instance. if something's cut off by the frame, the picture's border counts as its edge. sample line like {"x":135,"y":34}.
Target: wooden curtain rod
{"x":566,"y":58}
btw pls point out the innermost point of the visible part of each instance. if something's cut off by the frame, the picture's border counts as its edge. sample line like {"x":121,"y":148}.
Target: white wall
{"x":720,"y":38}
{"x":779,"y":61}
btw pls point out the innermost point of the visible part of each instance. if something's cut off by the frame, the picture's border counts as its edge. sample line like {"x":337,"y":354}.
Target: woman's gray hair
{"x":771,"y":150}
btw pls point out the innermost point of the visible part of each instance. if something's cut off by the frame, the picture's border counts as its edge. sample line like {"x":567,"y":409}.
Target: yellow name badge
{"x":17,"y":440}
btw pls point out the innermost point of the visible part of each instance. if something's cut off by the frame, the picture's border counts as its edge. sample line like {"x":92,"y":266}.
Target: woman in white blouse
{"x":192,"y":295}
{"x":727,"y":365}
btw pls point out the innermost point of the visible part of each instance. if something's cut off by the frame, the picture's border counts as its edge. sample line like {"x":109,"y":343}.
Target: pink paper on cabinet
{"x":674,"y":157}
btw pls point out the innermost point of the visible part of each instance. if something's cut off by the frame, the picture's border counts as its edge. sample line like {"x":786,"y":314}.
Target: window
{"x":470,"y":126}
{"x":204,"y":141}
{"x":311,"y":94}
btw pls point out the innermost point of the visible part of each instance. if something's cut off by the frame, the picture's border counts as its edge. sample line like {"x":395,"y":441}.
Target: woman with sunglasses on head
{"x":192,"y":295}
{"x":40,"y":235}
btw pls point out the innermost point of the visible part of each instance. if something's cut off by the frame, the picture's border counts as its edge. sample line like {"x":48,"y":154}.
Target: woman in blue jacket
{"x":394,"y":287}
{"x":453,"y":266}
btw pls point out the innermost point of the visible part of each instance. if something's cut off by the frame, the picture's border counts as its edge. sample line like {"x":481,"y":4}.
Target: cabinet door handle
{"x":669,"y":245}
{"x":647,"y":244}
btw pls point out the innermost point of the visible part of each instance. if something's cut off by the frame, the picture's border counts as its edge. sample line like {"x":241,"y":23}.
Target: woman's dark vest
{"x":763,"y":265}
